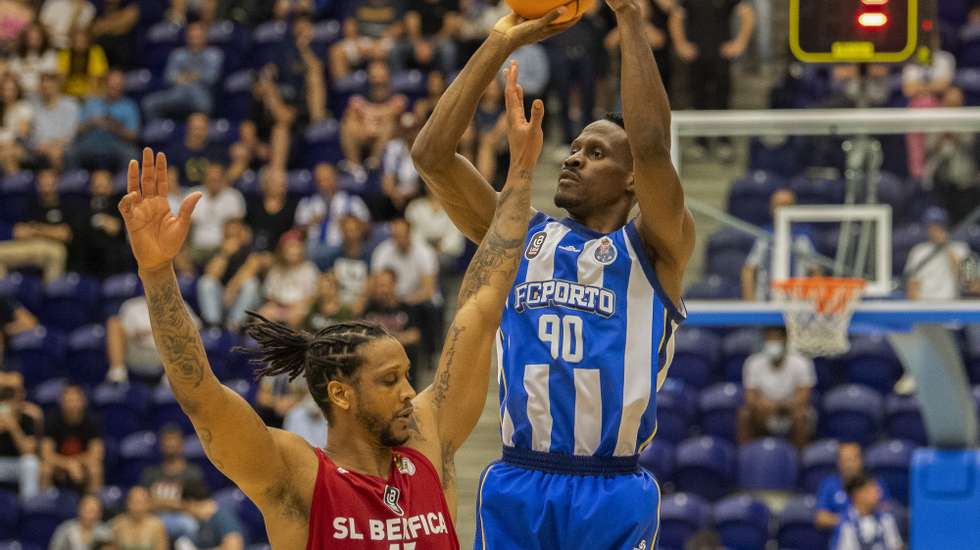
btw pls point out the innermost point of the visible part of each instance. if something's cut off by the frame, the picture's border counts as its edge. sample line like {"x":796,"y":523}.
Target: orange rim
{"x":830,"y":295}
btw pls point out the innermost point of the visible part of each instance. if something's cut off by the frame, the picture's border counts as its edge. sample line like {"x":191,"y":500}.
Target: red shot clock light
{"x":875,"y":17}
{"x":855,"y":31}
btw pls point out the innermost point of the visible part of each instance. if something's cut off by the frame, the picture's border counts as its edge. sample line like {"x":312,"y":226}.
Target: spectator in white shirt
{"x":400,"y":181}
{"x":34,"y":57}
{"x":431,"y":223}
{"x":320,"y":214}
{"x":56,"y":119}
{"x":220,"y":202}
{"x":932,"y":270}
{"x":777,"y":384}
{"x":414,"y":262}
{"x":59,"y":17}
{"x":130,"y":346}
{"x":291,"y":282}
{"x":352,"y":264}
{"x":755,"y":271}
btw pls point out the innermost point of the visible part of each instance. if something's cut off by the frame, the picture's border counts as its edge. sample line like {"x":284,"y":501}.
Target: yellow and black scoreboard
{"x":849,"y":31}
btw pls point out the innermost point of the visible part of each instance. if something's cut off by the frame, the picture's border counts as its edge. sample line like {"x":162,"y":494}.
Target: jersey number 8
{"x":563,"y":335}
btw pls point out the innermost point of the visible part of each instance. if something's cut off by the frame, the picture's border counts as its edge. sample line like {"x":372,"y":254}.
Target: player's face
{"x":384,"y":396}
{"x":598,"y":171}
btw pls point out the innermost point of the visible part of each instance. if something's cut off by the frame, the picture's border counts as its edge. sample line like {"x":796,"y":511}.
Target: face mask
{"x":773,"y":348}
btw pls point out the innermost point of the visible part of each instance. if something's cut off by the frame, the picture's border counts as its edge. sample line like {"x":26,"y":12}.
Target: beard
{"x":381,"y":428}
{"x":567,"y":201}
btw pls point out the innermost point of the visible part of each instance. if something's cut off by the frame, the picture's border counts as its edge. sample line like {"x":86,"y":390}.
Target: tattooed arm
{"x":454,"y":401}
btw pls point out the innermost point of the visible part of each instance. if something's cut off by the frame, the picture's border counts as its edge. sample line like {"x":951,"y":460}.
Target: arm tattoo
{"x":206,"y":438}
{"x":441,"y":385}
{"x":177,"y":341}
{"x":448,"y":466}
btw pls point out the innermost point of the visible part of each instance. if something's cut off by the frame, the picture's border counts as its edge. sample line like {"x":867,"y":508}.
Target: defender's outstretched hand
{"x":525,"y":138}
{"x":155,"y":234}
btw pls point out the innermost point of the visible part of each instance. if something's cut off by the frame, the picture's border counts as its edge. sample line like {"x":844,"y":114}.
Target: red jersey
{"x":407,"y":511}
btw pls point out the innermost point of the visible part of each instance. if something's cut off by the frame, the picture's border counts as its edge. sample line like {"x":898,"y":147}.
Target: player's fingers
{"x":127,"y":202}
{"x":537,"y":113}
{"x":552,"y":16}
{"x":520,"y":101}
{"x":133,"y":177}
{"x":163,"y":183}
{"x":187,"y":207}
{"x":148,"y":176}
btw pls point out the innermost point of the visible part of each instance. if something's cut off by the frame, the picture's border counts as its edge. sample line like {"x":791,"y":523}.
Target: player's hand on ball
{"x":521,"y":32}
{"x":155,"y":234}
{"x":526,"y":138}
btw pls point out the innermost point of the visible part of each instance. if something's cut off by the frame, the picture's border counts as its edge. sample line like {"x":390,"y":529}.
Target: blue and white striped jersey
{"x":585,"y":341}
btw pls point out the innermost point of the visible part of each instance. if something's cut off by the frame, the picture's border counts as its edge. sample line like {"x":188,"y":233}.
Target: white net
{"x":817,"y":312}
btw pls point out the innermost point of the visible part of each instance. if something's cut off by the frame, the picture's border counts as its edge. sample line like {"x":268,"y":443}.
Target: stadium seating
{"x":767,"y":464}
{"x":696,"y":356}
{"x":9,"y":515}
{"x":903,"y":419}
{"x":70,"y":301}
{"x":718,"y":406}
{"x":38,"y":354}
{"x":86,"y":355}
{"x":122,"y":408}
{"x":137,"y":452}
{"x":872,"y":361}
{"x":817,"y":461}
{"x":742,"y":522}
{"x":659,"y":459}
{"x":681,"y":515}
{"x":705,"y":467}
{"x":889,"y":462}
{"x":852,"y":413}
{"x":42,"y":514}
{"x":736,"y":347}
{"x":796,"y":525}
{"x":675,"y":412}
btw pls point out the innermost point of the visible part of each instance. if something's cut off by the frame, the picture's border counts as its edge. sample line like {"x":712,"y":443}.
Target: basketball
{"x":532,"y":9}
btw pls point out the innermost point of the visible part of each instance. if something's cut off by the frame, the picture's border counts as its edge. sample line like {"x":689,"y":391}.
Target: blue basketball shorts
{"x":520,"y":508}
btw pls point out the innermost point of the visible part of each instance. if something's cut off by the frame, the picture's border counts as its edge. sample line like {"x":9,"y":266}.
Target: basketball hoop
{"x":818,"y":311}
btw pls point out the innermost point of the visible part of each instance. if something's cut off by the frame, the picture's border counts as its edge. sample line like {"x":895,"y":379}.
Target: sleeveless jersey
{"x":404,"y":512}
{"x":586,"y":338}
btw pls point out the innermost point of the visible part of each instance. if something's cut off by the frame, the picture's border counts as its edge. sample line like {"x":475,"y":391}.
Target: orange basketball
{"x":532,"y":9}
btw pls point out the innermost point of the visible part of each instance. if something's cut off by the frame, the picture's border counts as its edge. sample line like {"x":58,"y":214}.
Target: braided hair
{"x":330,"y":354}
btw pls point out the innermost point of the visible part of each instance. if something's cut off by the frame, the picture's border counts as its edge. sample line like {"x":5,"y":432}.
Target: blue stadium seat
{"x":778,"y":157}
{"x":18,"y":545}
{"x":47,"y":394}
{"x":713,"y":287}
{"x":742,"y":522}
{"x":158,"y":41}
{"x":326,"y":32}
{"x":73,"y":187}
{"x":736,"y":347}
{"x":86,"y":359}
{"x":728,"y":240}
{"x":889,"y":462}
{"x":113,"y":500}
{"x":42,"y":514}
{"x":16,"y":194}
{"x":718,"y":406}
{"x":968,"y":80}
{"x":139,"y":82}
{"x":697,"y":353}
{"x":111,"y":463}
{"x":194,"y":452}
{"x":188,"y":289}
{"x":969,"y":56}
{"x":116,"y":290}
{"x":409,"y":83}
{"x":235,"y":98}
{"x":164,"y":410}
{"x":344,"y":88}
{"x":321,"y":143}
{"x":817,"y":190}
{"x":658,"y":458}
{"x":69,"y":302}
{"x":122,"y":408}
{"x":248,"y":184}
{"x":817,"y":461}
{"x":852,"y":413}
{"x":300,"y":183}
{"x":872,"y":361}
{"x":38,"y":354}
{"x":159,"y":133}
{"x":232,"y":40}
{"x":705,"y":467}
{"x":221,"y":132}
{"x":28,"y":290}
{"x":217,"y":345}
{"x":767,"y":464}
{"x":675,"y":412}
{"x":265,"y":40}
{"x":796,"y":528}
{"x":971,"y":352}
{"x":681,"y":515}
{"x":903,"y":419}
{"x":137,"y":452}
{"x":748,"y":197}
{"x":233,"y":499}
{"x":9,"y":515}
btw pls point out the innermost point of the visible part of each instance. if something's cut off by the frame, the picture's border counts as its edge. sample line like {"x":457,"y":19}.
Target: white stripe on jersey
{"x":506,"y":422}
{"x":636,"y":365}
{"x":669,"y":358}
{"x":536,"y":378}
{"x":590,"y":271}
{"x":542,"y":266}
{"x":588,"y":411}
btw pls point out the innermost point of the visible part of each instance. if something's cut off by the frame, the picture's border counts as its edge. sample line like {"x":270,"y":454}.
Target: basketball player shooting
{"x":587,"y":333}
{"x":386,"y":478}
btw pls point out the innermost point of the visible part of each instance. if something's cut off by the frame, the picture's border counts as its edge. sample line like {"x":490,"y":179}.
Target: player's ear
{"x":339,"y":395}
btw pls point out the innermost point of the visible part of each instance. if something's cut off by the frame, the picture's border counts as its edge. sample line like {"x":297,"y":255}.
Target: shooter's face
{"x":383,"y":403}
{"x":598,"y":171}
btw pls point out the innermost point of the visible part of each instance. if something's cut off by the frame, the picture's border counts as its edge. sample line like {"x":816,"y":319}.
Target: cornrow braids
{"x":329,"y":354}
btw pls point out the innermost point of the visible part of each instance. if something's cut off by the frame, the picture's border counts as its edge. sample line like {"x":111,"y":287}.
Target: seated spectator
{"x":130,"y":347}
{"x":175,"y":190}
{"x":81,"y":63}
{"x":14,"y":319}
{"x":927,"y":86}
{"x":85,"y":532}
{"x":435,"y":86}
{"x":755,"y":272}
{"x":191,"y":72}
{"x":16,"y":115}
{"x":15,"y":16}
{"x":866,"y":524}
{"x":431,"y":224}
{"x":59,"y":17}
{"x":535,"y":72}
{"x":109,"y":128}
{"x":290,"y":283}
{"x":276,"y":396}
{"x":229,"y":285}
{"x":272,"y":214}
{"x":103,"y":247}
{"x":399,"y":318}
{"x":113,"y":30}
{"x":219,"y":204}
{"x":34,"y":57}
{"x":428,"y":43}
{"x":327,"y":309}
{"x":369,"y":122}
{"x":352,"y":265}
{"x":56,"y":120}
{"x":165,"y":482}
{"x":932,"y":270}
{"x":217,"y":528}
{"x":21,"y":423}
{"x":300,"y":73}
{"x":400,"y":182}
{"x":320,"y":215}
{"x":849,"y":88}
{"x":44,"y":238}
{"x":832,"y":498}
{"x":777,"y":392}
{"x":413,"y":261}
{"x":137,"y":527}
{"x":355,"y":49}
{"x":306,"y":420}
{"x":72,"y":449}
{"x":196,"y":152}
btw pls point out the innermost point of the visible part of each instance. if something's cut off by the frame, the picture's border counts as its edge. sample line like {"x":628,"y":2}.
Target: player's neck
{"x":601,"y":222}
{"x":358,"y":453}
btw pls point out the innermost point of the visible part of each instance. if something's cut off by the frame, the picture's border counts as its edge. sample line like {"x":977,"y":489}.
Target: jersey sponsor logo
{"x":569,"y":248}
{"x":391,"y":496}
{"x":405,"y":466}
{"x":391,"y":529}
{"x":564,"y":294}
{"x":536,"y":244}
{"x":606,"y":252}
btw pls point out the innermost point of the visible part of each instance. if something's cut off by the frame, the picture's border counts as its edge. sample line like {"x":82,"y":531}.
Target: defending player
{"x":386,"y":478}
{"x":587,"y":334}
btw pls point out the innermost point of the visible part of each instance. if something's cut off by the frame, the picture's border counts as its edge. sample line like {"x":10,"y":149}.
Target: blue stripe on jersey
{"x":679,"y":314}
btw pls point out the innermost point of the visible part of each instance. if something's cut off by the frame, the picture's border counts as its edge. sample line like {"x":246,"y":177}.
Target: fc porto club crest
{"x":391,"y":496}
{"x":606,"y":252}
{"x":534,"y":247}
